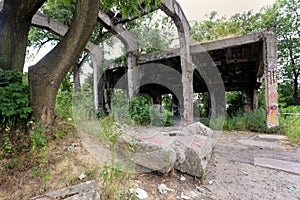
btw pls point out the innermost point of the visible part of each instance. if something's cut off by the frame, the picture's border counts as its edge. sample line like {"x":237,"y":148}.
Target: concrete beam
{"x":206,"y":47}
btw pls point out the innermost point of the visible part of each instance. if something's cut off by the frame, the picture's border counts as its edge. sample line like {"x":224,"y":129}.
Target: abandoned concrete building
{"x":240,"y":64}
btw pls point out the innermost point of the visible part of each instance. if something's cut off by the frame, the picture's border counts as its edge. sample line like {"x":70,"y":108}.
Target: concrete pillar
{"x":175,"y":106}
{"x":133,"y":74}
{"x":255,"y":99}
{"x":247,"y":100}
{"x":250,"y":99}
{"x":173,"y":9}
{"x":270,"y":77}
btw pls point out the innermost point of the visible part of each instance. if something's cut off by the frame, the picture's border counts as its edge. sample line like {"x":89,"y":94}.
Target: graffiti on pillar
{"x":272,"y":112}
{"x":272,"y":98}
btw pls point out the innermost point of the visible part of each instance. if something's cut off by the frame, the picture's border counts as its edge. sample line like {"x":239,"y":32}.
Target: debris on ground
{"x":163,"y":189}
{"x":139,"y":193}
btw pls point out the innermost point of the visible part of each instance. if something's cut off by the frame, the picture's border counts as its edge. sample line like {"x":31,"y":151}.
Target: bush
{"x":252,"y":121}
{"x":139,"y":110}
{"x":160,"y":116}
{"x":290,"y":122}
{"x":120,"y":106}
{"x":256,"y":120}
{"x":14,"y":99}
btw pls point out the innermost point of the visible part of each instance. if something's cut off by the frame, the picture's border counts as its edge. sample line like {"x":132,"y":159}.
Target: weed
{"x":114,"y":179}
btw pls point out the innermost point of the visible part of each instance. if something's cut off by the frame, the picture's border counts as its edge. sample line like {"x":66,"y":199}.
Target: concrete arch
{"x":131,"y":46}
{"x":174,"y":10}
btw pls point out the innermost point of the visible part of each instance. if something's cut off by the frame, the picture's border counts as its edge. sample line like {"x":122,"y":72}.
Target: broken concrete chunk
{"x":86,"y":190}
{"x":198,"y":150}
{"x":188,"y":151}
{"x":196,"y":129}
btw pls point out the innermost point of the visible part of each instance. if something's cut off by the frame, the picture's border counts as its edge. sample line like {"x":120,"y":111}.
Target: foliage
{"x":83,"y":101}
{"x":120,"y":107}
{"x":63,"y":107}
{"x":290,"y":122}
{"x":202,"y":104}
{"x":214,"y":28}
{"x":160,"y":116}
{"x":127,"y":7}
{"x":234,"y":101}
{"x":115,"y":180}
{"x":285,"y":94}
{"x":39,"y":149}
{"x":115,"y":183}
{"x":14,"y":99}
{"x":154,"y":32}
{"x":139,"y":110}
{"x":110,"y":130}
{"x":167,"y":102}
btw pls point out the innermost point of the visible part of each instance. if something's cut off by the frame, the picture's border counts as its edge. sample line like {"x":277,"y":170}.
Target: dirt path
{"x":234,"y":175}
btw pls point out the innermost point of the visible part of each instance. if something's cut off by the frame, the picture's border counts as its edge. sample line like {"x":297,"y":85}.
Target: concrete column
{"x":247,"y":100}
{"x":255,"y":99}
{"x":271,"y":76}
{"x":133,"y":75}
{"x":173,"y":9}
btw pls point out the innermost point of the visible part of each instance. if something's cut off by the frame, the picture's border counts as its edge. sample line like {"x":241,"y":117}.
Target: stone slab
{"x":261,"y":144}
{"x":87,"y":190}
{"x":274,"y":137}
{"x":293,"y":167}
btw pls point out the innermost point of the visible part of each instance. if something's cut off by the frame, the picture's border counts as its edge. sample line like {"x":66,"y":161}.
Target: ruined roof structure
{"x":243,"y":62}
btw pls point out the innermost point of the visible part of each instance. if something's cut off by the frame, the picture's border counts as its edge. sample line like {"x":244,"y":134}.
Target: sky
{"x":197,"y":9}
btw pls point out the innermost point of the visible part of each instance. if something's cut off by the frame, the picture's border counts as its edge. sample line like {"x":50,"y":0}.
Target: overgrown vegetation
{"x":115,"y":180}
{"x":14,"y":99}
{"x":143,"y":113}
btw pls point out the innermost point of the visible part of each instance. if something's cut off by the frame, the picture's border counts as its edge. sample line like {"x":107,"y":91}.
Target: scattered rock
{"x":139,"y":193}
{"x":183,"y":196}
{"x":182,"y":178}
{"x":73,"y":147}
{"x":163,"y":189}
{"x":201,"y":190}
{"x":81,"y":176}
{"x":210,"y":182}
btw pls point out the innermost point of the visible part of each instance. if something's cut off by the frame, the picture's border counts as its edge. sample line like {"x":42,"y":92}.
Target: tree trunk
{"x":76,"y":77}
{"x":15,"y":20}
{"x":46,"y":76}
{"x":296,"y":94}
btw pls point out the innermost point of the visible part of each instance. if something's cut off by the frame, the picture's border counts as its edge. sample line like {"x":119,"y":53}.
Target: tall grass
{"x":289,"y":123}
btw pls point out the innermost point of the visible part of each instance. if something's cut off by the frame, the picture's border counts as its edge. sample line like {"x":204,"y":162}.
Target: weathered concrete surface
{"x":197,"y":153}
{"x":196,"y":129}
{"x":261,"y":144}
{"x":272,"y":137}
{"x":293,"y":167}
{"x":87,"y":190}
{"x":187,"y":150}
